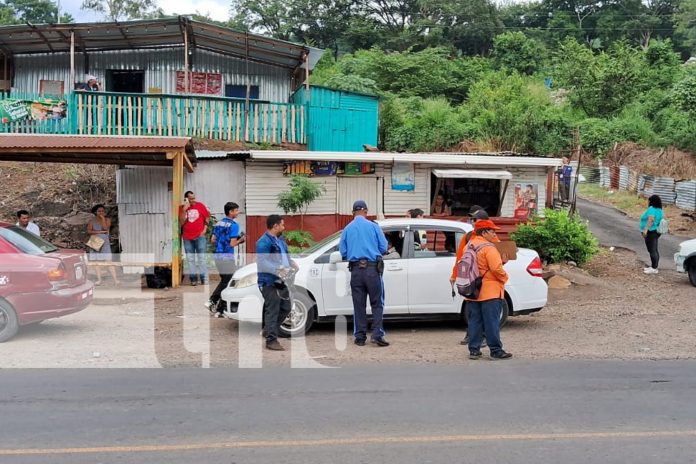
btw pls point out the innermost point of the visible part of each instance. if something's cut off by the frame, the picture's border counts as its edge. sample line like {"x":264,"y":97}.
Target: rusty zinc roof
{"x":93,"y":149}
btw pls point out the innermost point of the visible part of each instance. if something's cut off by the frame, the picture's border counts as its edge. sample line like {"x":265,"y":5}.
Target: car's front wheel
{"x":692,"y":272}
{"x":301,"y":316}
{"x":9,"y":324}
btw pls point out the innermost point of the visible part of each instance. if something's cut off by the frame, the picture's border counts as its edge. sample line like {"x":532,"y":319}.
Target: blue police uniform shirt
{"x":224,"y":231}
{"x":362,"y":239}
{"x":271,"y":254}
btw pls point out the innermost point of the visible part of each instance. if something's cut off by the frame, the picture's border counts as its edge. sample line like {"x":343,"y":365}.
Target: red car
{"x":38,"y":281}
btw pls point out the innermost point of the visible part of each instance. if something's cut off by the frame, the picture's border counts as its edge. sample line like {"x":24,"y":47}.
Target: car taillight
{"x":535,"y":268}
{"x":56,"y":274}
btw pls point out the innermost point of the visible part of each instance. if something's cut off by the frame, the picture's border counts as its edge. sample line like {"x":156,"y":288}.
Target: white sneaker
{"x":649,"y":270}
{"x":209,"y":306}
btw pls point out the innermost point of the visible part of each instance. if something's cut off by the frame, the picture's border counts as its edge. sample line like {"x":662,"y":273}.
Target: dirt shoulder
{"x":612,"y":311}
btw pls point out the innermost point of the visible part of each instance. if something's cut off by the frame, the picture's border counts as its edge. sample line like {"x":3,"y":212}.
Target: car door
{"x":335,"y":279}
{"x":429,"y":270}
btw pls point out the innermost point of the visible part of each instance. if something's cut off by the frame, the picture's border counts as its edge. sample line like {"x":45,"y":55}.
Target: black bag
{"x":159,"y":277}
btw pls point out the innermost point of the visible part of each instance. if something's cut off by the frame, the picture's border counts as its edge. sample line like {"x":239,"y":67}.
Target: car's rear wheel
{"x":503,"y":314}
{"x":692,"y":272}
{"x":301,"y":316}
{"x":9,"y":324}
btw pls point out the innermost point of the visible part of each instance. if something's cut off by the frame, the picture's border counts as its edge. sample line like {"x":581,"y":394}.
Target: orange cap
{"x":485,"y":224}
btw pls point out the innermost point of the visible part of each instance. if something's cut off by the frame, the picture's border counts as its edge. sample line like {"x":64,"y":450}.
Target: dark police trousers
{"x":276,"y":307}
{"x":366,"y":282}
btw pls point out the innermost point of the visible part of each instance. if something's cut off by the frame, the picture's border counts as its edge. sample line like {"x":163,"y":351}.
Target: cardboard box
{"x":507,"y":247}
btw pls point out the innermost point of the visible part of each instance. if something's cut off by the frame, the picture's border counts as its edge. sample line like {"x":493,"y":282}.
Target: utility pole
{"x":58,"y":11}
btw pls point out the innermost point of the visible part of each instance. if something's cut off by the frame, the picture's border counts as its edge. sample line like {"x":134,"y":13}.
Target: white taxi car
{"x":685,"y":259}
{"x":416,"y":279}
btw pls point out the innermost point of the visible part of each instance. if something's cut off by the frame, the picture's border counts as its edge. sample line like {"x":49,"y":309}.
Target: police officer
{"x":362,"y":244}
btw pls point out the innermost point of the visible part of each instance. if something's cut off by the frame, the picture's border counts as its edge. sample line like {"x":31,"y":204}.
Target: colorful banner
{"x":199,"y":82}
{"x":13,"y":110}
{"x":526,"y":200}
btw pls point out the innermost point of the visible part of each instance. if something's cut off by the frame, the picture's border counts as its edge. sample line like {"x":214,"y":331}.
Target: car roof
{"x":425,"y":222}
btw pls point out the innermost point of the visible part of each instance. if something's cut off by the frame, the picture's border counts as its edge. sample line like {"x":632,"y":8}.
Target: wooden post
{"x":6,"y":81}
{"x":247,"y":117}
{"x":574,"y":186}
{"x":306,"y":63}
{"x":177,"y":195}
{"x":72,"y":61}
{"x":186,"y":62}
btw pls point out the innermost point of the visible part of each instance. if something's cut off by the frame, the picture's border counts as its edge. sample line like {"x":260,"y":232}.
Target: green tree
{"x":468,"y":26}
{"x":31,"y":11}
{"x":516,"y":52}
{"x":119,"y":10}
{"x":601,"y":84}
{"x":686,"y":23}
{"x":301,"y":194}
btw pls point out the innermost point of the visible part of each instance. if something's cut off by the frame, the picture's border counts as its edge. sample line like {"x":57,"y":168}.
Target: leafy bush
{"x":557,"y":237}
{"x":417,"y":124}
{"x":298,"y":240}
{"x":515,"y":51}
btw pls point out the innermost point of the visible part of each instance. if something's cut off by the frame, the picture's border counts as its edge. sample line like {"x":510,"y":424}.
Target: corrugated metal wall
{"x":367,"y":188}
{"x":144,"y":202}
{"x":265,"y":180}
{"x":160,"y":68}
{"x":144,"y":212}
{"x":354,"y":119}
{"x":398,"y":202}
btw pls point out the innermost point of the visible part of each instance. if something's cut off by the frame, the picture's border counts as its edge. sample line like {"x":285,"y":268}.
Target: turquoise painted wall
{"x":338,"y":120}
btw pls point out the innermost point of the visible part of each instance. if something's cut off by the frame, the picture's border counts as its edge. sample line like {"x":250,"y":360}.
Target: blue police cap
{"x":359,"y":205}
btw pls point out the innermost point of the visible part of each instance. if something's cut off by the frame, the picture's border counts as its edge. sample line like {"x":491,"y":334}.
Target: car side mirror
{"x":335,"y":257}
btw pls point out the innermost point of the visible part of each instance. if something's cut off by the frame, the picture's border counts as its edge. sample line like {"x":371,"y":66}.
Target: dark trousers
{"x":565,"y":191}
{"x":485,"y":316}
{"x":226,"y":269}
{"x":363,"y":283}
{"x":276,"y":307}
{"x":651,"y":243}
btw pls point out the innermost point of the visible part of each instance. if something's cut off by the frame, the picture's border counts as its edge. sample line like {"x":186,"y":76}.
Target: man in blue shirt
{"x":273,"y":262}
{"x":362,"y":244}
{"x":226,"y":236}
{"x":565,"y":173}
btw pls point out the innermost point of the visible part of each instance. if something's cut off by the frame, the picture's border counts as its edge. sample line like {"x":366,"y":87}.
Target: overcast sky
{"x":218,"y":9}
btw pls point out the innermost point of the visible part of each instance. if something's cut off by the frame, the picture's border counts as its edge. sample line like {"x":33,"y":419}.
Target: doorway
{"x":461,"y":191}
{"x":125,"y":81}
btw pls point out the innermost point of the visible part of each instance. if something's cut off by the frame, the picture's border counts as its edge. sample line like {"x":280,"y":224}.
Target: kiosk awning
{"x":472,"y":174}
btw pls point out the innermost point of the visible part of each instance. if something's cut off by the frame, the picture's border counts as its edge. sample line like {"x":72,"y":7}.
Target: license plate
{"x":79,"y":272}
{"x":85,"y":295}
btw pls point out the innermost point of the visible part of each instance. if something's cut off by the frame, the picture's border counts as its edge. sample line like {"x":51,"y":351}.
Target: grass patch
{"x":628,"y":202}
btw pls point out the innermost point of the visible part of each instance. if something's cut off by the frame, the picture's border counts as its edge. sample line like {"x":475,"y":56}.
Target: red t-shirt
{"x":194,"y":222}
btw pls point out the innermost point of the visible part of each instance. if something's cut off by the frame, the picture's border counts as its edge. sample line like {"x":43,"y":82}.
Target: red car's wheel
{"x":9,"y":325}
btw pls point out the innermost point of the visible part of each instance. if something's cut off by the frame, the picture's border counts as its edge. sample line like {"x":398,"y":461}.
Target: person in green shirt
{"x":648,"y":227}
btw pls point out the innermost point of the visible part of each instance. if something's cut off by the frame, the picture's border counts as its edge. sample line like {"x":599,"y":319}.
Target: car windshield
{"x":317,"y":246}
{"x":25,"y":241}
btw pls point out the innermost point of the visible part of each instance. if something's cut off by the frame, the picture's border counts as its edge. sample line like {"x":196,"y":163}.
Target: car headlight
{"x":247,"y":281}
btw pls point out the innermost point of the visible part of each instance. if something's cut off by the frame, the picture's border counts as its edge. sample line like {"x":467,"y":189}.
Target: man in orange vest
{"x":484,"y":311}
{"x":476,"y":213}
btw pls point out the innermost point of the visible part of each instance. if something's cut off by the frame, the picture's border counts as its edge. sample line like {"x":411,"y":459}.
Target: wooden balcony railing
{"x":106,"y":113}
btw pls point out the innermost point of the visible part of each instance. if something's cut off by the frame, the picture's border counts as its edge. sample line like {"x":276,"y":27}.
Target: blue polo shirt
{"x":224,"y":231}
{"x":362,"y":239}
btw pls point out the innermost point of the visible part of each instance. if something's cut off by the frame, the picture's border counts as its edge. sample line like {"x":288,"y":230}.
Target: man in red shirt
{"x":193,"y":217}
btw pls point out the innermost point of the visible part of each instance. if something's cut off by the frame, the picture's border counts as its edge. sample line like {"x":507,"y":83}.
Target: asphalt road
{"x":482,"y":411}
{"x":614,"y":228}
